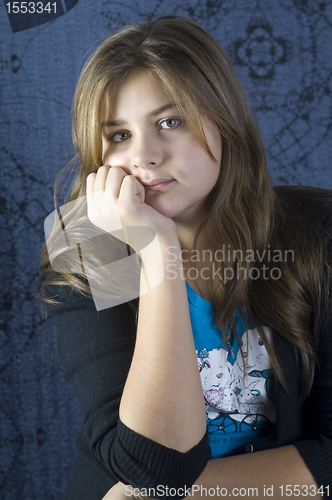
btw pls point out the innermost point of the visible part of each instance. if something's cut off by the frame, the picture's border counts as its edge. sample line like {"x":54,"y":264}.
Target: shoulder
{"x":303,"y":223}
{"x":303,"y":216}
{"x":309,"y":202}
{"x":67,"y":298}
{"x":75,"y":312}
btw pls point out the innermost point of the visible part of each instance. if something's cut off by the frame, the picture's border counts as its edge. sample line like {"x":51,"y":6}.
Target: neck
{"x":186,"y":234}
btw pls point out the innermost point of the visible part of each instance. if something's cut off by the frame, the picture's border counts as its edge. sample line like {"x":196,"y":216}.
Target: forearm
{"x":163,"y":399}
{"x":277,"y":473}
{"x":255,"y":473}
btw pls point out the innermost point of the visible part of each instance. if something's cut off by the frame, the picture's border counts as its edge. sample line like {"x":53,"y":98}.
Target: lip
{"x":157,"y":184}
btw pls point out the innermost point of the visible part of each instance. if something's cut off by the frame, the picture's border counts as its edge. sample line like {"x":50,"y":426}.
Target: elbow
{"x":144,"y":464}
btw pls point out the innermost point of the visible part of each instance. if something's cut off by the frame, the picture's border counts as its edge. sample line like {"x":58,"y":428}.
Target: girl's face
{"x":142,"y":132}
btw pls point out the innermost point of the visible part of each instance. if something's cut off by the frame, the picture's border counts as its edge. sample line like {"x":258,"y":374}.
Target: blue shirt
{"x":237,"y":387}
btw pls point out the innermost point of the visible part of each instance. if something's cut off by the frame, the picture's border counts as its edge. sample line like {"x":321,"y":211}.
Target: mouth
{"x":157,"y":184}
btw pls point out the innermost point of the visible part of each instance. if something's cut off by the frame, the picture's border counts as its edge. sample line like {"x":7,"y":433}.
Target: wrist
{"x":169,"y":239}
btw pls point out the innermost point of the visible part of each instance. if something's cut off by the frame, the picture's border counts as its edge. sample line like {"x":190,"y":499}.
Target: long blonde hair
{"x":243,"y":212}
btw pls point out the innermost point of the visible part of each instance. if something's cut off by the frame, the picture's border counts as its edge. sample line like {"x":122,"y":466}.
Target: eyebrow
{"x":155,"y":112}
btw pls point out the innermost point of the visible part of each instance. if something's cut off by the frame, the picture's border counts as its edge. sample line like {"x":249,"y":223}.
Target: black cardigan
{"x":96,"y":348}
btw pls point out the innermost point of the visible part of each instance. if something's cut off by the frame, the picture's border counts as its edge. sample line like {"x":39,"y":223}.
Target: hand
{"x":117,"y":200}
{"x":119,"y":492}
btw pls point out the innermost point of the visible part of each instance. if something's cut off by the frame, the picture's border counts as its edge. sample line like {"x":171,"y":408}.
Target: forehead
{"x":140,"y":92}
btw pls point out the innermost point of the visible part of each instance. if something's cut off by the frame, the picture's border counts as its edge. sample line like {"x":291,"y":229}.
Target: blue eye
{"x":170,"y":123}
{"x":119,"y":137}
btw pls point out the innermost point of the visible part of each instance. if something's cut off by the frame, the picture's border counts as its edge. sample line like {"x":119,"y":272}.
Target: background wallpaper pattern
{"x":282,"y":52}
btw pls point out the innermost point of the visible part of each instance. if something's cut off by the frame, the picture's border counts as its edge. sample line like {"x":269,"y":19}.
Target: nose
{"x":146,"y":151}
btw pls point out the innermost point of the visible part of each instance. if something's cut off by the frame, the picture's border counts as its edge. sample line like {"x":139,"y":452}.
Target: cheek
{"x":205,"y":168}
{"x":109,"y":156}
{"x":206,"y":172}
{"x":105,"y":150}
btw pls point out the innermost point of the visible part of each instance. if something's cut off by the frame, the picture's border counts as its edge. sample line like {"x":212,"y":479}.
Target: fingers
{"x":101,"y":177}
{"x":114,"y":180}
{"x":107,"y":177}
{"x":130,"y":189}
{"x":114,"y":199}
{"x":90,"y":184}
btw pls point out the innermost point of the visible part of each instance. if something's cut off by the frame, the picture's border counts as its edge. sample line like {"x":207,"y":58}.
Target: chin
{"x":167,"y":209}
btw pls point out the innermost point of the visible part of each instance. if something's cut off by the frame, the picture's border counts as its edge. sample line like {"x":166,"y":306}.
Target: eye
{"x":170,"y":123}
{"x":119,"y":137}
{"x":260,"y":342}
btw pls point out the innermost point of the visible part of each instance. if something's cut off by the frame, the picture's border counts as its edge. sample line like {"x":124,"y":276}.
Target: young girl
{"x":220,"y":378}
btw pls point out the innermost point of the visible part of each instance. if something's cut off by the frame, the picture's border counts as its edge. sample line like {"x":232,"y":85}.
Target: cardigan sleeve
{"x":316,"y":450}
{"x":95,"y":350}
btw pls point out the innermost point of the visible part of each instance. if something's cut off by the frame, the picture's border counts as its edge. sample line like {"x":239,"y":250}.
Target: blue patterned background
{"x":282,"y":54}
